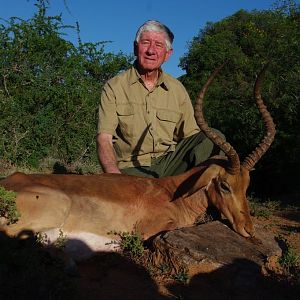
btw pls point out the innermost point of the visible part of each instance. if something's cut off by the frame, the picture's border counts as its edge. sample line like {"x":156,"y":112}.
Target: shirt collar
{"x":134,"y":77}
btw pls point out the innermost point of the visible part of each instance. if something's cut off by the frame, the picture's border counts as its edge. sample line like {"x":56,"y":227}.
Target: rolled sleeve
{"x":107,"y":117}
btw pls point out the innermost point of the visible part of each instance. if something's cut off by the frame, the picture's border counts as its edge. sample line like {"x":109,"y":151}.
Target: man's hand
{"x":106,"y":153}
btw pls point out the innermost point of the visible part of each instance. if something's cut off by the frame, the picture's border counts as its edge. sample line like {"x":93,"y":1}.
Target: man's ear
{"x":135,"y":45}
{"x":168,"y":54}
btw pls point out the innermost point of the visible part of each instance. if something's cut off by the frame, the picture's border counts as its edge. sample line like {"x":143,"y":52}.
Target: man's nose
{"x":151,"y":48}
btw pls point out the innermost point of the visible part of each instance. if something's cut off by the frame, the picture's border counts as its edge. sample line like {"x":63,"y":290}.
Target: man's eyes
{"x":158,"y":44}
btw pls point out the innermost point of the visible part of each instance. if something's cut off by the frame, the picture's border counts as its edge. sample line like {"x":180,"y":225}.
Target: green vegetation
{"x":130,"y":243}
{"x":61,"y":241}
{"x":49,"y":91}
{"x":260,"y":208}
{"x":181,"y":276}
{"x":247,"y":40}
{"x":289,"y":259}
{"x":42,"y":239}
{"x":164,"y":268}
{"x":8,"y":208}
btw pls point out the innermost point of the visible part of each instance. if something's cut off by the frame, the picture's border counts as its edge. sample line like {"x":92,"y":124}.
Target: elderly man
{"x":146,"y":119}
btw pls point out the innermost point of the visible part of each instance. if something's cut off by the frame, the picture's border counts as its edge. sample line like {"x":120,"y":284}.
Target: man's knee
{"x":206,"y":147}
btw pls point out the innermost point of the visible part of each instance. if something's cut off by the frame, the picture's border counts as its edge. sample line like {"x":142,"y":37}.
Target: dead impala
{"x":87,"y":208}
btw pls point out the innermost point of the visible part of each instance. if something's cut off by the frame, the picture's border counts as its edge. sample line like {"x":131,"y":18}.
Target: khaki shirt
{"x":145,"y":124}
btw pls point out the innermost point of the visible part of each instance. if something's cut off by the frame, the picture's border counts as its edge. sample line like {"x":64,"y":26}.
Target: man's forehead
{"x":153,"y":35}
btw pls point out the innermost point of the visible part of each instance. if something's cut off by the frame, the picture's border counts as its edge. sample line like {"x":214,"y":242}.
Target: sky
{"x":118,"y":20}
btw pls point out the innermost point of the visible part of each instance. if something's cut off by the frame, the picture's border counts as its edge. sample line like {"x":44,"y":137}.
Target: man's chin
{"x":149,"y":67}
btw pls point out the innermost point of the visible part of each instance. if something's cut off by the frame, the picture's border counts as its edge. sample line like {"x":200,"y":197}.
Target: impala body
{"x":88,"y":208}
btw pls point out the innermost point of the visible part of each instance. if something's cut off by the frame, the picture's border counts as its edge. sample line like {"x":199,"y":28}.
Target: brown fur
{"x":103,"y":203}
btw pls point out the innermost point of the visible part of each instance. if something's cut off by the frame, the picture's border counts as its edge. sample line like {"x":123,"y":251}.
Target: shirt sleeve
{"x":107,"y":117}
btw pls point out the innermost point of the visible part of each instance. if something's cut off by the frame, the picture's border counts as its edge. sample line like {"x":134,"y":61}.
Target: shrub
{"x":50,"y":91}
{"x":8,"y":208}
{"x":130,"y":243}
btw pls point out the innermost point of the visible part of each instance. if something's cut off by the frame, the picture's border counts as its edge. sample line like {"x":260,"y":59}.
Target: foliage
{"x":50,"y":90}
{"x":130,"y":243}
{"x":289,"y":259}
{"x":42,"y":239}
{"x":8,"y":208}
{"x":264,"y":209}
{"x":61,"y":240}
{"x":247,"y":40}
{"x":181,"y":276}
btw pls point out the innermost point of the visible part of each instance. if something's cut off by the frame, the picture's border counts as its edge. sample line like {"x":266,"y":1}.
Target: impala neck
{"x":192,"y":208}
{"x":189,"y":195}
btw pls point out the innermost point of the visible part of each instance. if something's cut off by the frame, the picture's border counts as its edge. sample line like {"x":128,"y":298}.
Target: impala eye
{"x":225,"y":187}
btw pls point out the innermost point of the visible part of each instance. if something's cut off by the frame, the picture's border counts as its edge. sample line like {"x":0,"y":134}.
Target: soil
{"x":112,"y":276}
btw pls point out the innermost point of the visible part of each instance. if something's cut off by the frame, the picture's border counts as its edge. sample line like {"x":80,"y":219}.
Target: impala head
{"x":228,"y":185}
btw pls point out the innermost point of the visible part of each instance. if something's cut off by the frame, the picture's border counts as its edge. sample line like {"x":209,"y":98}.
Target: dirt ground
{"x":116,"y":277}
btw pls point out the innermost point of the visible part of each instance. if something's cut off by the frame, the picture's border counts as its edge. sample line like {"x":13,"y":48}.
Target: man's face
{"x":151,"y":50}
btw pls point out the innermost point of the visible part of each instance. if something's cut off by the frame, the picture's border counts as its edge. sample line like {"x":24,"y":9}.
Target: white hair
{"x":156,"y":26}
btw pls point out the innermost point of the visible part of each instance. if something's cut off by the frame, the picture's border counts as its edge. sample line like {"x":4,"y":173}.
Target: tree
{"x":50,"y":90}
{"x":247,"y":40}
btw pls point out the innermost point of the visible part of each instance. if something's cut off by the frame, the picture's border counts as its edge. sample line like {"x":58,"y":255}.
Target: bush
{"x":8,"y":208}
{"x":247,"y":40}
{"x":49,"y":91}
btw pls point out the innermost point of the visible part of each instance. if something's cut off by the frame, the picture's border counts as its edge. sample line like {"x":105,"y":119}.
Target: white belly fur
{"x":82,"y":245}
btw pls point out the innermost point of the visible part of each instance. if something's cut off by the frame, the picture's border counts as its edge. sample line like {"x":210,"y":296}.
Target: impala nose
{"x":250,"y":230}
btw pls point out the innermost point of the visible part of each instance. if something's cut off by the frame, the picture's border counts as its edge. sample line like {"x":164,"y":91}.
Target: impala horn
{"x":233,"y":158}
{"x":266,"y":142}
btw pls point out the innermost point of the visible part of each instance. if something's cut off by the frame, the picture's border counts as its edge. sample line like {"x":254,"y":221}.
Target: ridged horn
{"x":233,"y":158}
{"x":266,"y":142}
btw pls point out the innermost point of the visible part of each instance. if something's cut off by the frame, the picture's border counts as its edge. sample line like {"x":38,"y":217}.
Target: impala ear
{"x":197,"y":181}
{"x":205,"y":179}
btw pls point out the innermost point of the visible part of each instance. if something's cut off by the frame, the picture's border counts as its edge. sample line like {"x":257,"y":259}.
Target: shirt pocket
{"x":125,"y":115}
{"x":166,"y":124}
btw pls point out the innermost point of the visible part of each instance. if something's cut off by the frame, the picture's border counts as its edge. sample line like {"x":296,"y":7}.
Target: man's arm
{"x":106,"y":153}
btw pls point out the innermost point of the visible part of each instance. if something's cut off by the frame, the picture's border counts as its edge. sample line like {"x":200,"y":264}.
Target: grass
{"x":181,"y":276}
{"x":262,"y":209}
{"x":51,"y":165}
{"x":8,"y":207}
{"x":289,"y":259}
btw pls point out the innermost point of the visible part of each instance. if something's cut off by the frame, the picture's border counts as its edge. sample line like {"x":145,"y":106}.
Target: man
{"x":146,"y":119}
